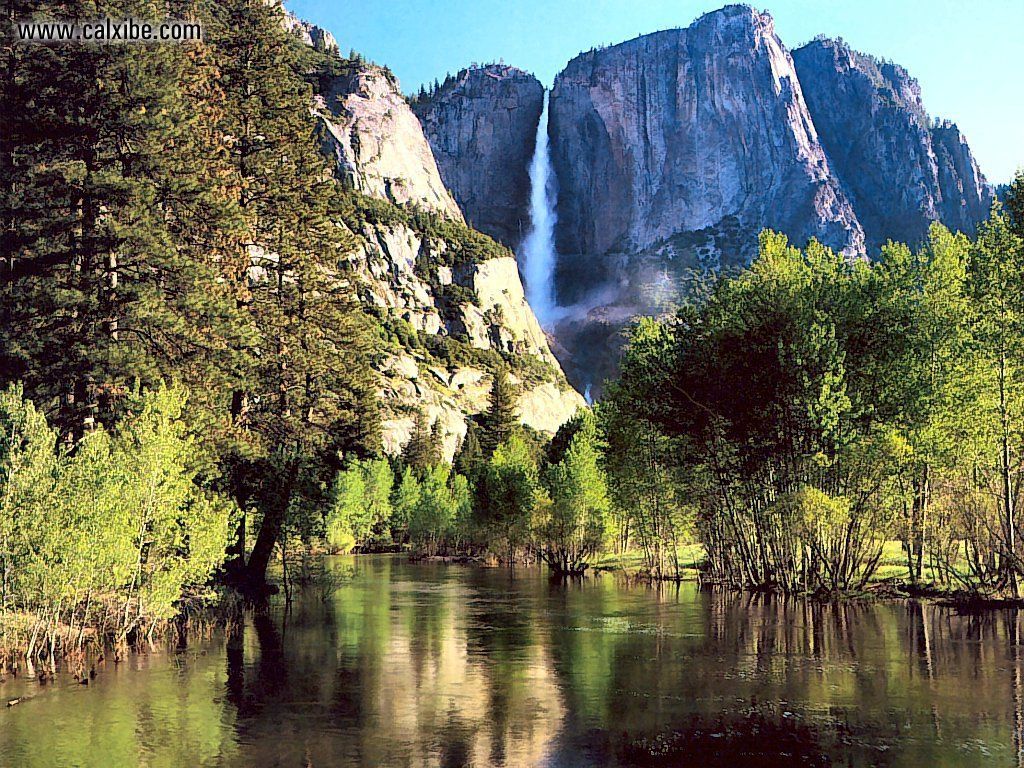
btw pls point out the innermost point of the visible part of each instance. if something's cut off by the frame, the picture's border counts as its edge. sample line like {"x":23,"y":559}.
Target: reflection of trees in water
{"x":1018,"y":689}
{"x":421,"y":672}
{"x":458,"y":667}
{"x":879,"y":669}
{"x":757,"y":738}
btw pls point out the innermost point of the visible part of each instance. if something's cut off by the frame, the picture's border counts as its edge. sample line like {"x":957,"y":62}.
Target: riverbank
{"x":38,"y":645}
{"x":891,"y":580}
{"x":28,"y":638}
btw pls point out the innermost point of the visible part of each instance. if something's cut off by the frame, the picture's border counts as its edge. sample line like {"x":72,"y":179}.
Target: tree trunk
{"x":270,"y":532}
{"x":263,"y":549}
{"x":922,"y":492}
{"x":235,"y":565}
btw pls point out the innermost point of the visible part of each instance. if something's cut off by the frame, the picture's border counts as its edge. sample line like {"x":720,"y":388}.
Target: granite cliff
{"x":481,"y":125}
{"x":447,"y":299}
{"x":674,"y":149}
{"x":671,"y":152}
{"x":377,"y":142}
{"x":448,"y":320}
{"x":901,"y":170}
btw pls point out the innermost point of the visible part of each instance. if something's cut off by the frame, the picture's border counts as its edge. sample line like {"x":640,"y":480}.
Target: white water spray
{"x":539,"y":246}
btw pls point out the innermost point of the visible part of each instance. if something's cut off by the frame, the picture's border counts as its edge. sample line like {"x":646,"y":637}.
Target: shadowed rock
{"x":481,"y":126}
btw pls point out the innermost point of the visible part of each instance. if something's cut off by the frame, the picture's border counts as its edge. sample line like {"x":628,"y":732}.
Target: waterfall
{"x":538,"y":250}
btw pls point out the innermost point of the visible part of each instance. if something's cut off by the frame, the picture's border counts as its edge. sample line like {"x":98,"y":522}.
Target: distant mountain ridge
{"x":901,"y":170}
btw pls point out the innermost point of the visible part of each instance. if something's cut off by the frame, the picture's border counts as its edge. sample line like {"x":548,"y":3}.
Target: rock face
{"x":481,"y":125}
{"x":443,"y":343}
{"x":900,"y":171}
{"x":674,"y":149}
{"x":378,"y":143}
{"x":671,"y":152}
{"x":310,"y":34}
{"x":448,"y":320}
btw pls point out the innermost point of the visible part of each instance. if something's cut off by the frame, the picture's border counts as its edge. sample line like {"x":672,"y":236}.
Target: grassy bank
{"x":891,"y":578}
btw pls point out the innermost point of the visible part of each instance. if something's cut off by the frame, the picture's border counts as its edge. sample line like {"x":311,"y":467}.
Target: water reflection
{"x":432,"y":665}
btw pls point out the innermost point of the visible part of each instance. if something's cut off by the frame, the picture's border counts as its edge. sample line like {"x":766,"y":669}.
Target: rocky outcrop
{"x":448,"y":301}
{"x":312,"y":35}
{"x":377,"y":141}
{"x":481,"y":125}
{"x":901,"y":172}
{"x":447,"y":328}
{"x":674,"y":149}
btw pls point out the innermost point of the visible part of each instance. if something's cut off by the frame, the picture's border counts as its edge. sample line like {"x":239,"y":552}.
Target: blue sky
{"x":966,"y":54}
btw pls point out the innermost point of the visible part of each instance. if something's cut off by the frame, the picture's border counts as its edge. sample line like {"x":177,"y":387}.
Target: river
{"x":387,"y":663}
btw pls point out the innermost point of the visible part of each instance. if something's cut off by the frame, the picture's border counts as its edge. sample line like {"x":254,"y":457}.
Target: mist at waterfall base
{"x":538,"y":249}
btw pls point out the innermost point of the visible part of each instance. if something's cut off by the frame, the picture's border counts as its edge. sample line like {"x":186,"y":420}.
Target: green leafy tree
{"x":577,"y":523}
{"x":437,"y":510}
{"x":405,"y":498}
{"x":361,"y":511}
{"x":177,"y":531}
{"x":918,"y":335}
{"x":996,"y":283}
{"x":506,"y":496}
{"x":114,"y":534}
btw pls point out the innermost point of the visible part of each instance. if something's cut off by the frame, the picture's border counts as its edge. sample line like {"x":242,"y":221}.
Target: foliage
{"x":443,"y":500}
{"x":112,"y":534}
{"x":575,"y":525}
{"x":506,"y":496}
{"x":811,"y":408}
{"x":361,"y":511}
{"x":501,"y":420}
{"x":424,"y":449}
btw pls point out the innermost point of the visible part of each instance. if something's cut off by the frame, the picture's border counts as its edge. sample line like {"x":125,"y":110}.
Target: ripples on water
{"x":434,"y":665}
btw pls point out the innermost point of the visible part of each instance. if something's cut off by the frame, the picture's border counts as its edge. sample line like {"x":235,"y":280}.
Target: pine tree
{"x":501,"y":420}
{"x":311,"y":394}
{"x":419,"y":453}
{"x":1014,"y":203}
{"x":469,"y":457}
{"x":114,"y":210}
{"x":437,"y":435}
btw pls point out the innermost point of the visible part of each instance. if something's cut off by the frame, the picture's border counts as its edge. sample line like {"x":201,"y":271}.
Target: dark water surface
{"x":394,"y":664}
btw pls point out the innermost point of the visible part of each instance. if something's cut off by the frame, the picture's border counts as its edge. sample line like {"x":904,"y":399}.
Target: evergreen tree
{"x":436,"y":442}
{"x":309,"y":396}
{"x":419,"y":453}
{"x":1014,"y":203}
{"x":469,"y":457}
{"x":501,"y":420}
{"x":116,"y":220}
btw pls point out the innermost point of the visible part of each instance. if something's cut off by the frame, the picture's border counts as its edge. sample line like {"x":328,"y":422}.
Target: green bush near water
{"x":109,"y":536}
